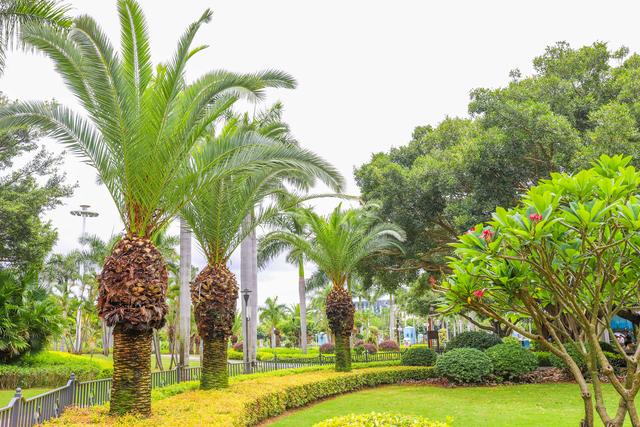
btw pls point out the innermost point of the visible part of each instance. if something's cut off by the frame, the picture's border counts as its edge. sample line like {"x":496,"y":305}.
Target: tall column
{"x":253,"y":304}
{"x":184,"y":320}
{"x":248,"y":281}
{"x":392,"y":318}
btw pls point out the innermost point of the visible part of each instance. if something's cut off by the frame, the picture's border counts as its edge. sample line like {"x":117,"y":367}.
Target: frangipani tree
{"x":337,"y":244}
{"x":147,"y":133}
{"x":568,"y":257}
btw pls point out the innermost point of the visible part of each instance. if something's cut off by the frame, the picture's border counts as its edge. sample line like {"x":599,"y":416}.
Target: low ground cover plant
{"x":376,"y":419}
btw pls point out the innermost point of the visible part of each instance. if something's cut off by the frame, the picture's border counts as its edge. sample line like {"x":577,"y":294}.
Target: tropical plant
{"x":337,"y":244}
{"x":567,"y":257}
{"x":271,"y":314}
{"x":148,"y":134}
{"x":14,"y":14}
{"x":28,"y":314}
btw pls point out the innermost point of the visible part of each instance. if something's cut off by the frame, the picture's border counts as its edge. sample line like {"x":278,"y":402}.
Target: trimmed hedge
{"x":464,"y":365}
{"x":511,"y":361}
{"x":249,"y":401}
{"x":52,"y":369}
{"x":418,"y":355}
{"x":376,"y":419}
{"x":474,"y":339}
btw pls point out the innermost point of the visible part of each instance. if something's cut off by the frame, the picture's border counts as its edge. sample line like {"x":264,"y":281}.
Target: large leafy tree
{"x":577,"y":105}
{"x":337,"y":244}
{"x":567,"y":257}
{"x":221,"y":217}
{"x":146,"y":132}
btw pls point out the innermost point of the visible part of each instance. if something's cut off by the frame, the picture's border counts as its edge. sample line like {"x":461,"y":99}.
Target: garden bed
{"x":250,"y":399}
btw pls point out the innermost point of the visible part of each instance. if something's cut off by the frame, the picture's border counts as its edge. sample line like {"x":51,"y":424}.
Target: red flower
{"x":535,"y":217}
{"x":479,"y":293}
{"x":471,"y":230}
{"x":487,"y":234}
{"x":432,"y":281}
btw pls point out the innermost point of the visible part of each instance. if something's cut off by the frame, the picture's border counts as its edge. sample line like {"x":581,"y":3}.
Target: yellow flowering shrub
{"x":249,"y":401}
{"x":376,"y":419}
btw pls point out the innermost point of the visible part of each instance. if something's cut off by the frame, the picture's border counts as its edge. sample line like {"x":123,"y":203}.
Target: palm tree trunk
{"x":214,"y":364}
{"x":249,"y":281}
{"x":303,"y":307}
{"x":131,"y":389}
{"x":156,"y":350}
{"x":343,"y":352}
{"x":77,"y":347}
{"x":392,"y":318}
{"x":184,"y":333}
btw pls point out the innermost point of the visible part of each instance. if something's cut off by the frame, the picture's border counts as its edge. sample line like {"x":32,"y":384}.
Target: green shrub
{"x":474,"y":339}
{"x":419,"y":355}
{"x":380,"y":420}
{"x":511,"y":340}
{"x":52,"y":369}
{"x":544,"y":358}
{"x":616,"y":359}
{"x":510,"y":361}
{"x":464,"y":365}
{"x":558,"y":362}
{"x":610,"y":348}
{"x":247,"y":402}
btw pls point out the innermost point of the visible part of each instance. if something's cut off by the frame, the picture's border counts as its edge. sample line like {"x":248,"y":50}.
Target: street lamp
{"x":85,"y":213}
{"x":245,"y":345}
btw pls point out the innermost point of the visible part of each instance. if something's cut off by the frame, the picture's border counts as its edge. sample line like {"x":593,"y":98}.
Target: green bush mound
{"x":464,"y":365}
{"x":419,"y":355}
{"x":544,"y":358}
{"x":558,"y":362}
{"x":511,"y":361}
{"x":52,"y":369}
{"x":376,"y":419}
{"x":474,"y":339}
{"x":248,"y":401}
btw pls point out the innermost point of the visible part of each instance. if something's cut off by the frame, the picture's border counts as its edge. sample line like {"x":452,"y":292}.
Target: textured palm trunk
{"x":214,"y":293}
{"x":184,"y":311}
{"x":340,"y":311}
{"x":392,"y":318}
{"x":131,"y":388}
{"x":214,"y":364}
{"x":303,"y":307}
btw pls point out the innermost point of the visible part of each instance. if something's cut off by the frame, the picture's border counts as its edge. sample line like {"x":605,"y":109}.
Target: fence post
{"x":72,"y":389}
{"x":366,"y":355}
{"x":275,"y":357}
{"x":16,"y":408}
{"x":179,"y":373}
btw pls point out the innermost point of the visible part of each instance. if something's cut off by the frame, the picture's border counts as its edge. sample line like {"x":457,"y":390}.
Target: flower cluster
{"x":535,"y":217}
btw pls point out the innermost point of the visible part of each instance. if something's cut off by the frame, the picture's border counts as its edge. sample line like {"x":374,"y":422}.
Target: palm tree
{"x":288,"y":222}
{"x":14,"y":14}
{"x":337,"y":244}
{"x":272,"y":314}
{"x":218,"y":219}
{"x":146,"y":131}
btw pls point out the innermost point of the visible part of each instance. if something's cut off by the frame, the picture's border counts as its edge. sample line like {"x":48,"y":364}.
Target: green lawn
{"x":526,"y":405}
{"x":7,"y":395}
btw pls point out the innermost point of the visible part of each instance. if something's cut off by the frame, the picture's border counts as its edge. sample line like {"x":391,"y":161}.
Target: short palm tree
{"x":271,"y":315}
{"x":146,"y":131}
{"x":218,"y":219}
{"x":337,"y":244}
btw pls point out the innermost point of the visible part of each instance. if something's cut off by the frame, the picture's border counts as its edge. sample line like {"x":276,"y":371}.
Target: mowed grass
{"x":553,"y":405}
{"x":7,"y":395}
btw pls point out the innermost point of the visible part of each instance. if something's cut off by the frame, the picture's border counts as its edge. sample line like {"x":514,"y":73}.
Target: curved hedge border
{"x":246,"y":403}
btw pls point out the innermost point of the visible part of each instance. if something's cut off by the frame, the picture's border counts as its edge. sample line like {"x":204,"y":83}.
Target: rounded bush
{"x":361,"y":347}
{"x":327,"y":348}
{"x":559,"y":363}
{"x":238,"y":346}
{"x":510,"y":361}
{"x":511,"y":340}
{"x":419,"y":355}
{"x":379,"y":420}
{"x":474,"y":339}
{"x":464,"y":365}
{"x":388,"y":345}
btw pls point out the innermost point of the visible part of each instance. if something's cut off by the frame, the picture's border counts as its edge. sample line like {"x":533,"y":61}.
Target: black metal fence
{"x":27,"y":412}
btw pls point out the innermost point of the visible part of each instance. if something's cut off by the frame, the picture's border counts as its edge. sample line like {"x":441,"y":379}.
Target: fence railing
{"x":27,"y":412}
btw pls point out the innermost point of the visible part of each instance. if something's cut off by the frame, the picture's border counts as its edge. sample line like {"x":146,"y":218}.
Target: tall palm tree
{"x":271,"y":314}
{"x":14,"y":14}
{"x":337,"y":244}
{"x":218,"y":219}
{"x":288,"y":222}
{"x":146,"y":131}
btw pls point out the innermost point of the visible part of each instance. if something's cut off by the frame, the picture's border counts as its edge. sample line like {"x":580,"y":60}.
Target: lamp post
{"x":84,"y":213}
{"x":245,"y":342}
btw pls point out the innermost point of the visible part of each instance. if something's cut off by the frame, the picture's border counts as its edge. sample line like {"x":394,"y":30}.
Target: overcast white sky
{"x":368,"y":72}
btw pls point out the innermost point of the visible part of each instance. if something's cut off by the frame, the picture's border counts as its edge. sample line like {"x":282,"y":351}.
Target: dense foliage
{"x":375,"y":419}
{"x":474,"y":339}
{"x":419,"y":355}
{"x":464,"y":365}
{"x":511,"y":361}
{"x":388,"y":345}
